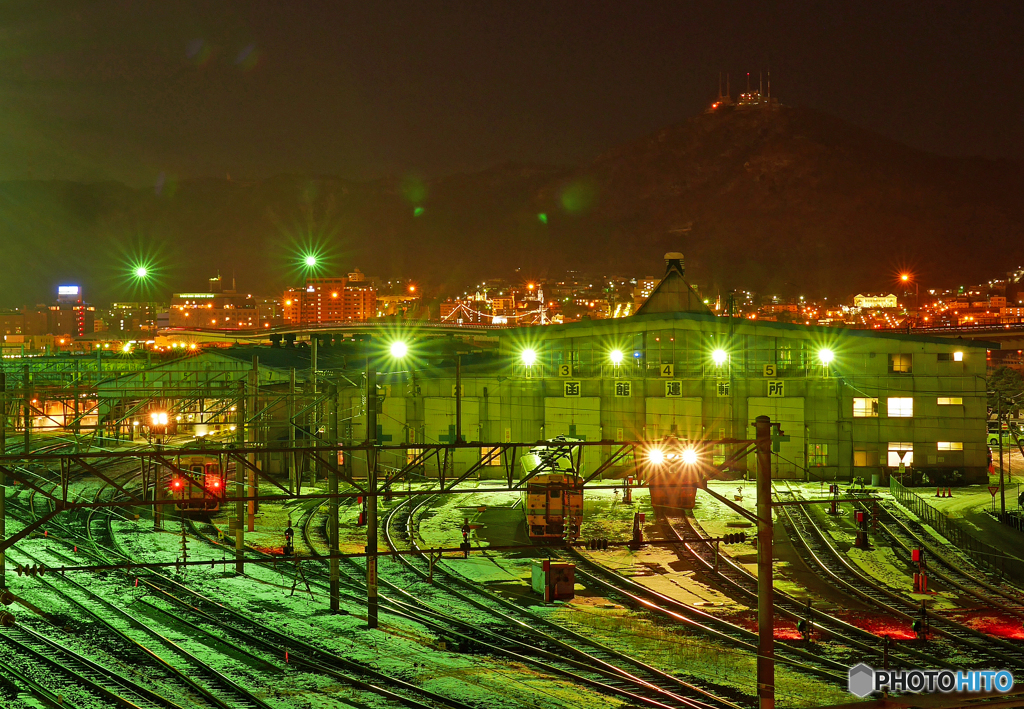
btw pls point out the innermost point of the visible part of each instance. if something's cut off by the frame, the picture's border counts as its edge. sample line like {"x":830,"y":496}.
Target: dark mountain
{"x":785,"y":201}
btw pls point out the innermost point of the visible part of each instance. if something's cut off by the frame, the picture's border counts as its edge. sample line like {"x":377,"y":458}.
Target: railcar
{"x":553,"y":497}
{"x":203,"y":487}
{"x":675,"y":471}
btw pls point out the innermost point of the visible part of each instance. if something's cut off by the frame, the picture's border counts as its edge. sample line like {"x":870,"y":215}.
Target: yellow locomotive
{"x":553,"y":498}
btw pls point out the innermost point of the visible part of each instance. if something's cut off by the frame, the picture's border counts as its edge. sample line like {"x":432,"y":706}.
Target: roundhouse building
{"x":850,"y":403}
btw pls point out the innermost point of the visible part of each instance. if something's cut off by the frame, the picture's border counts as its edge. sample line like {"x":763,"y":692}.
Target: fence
{"x":982,"y":553}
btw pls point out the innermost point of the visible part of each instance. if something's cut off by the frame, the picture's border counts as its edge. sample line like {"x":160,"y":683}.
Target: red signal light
{"x":177,"y":483}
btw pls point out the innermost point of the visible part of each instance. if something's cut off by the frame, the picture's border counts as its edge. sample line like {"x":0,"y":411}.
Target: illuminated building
{"x":217,"y":309}
{"x":331,"y":300}
{"x":875,"y":301}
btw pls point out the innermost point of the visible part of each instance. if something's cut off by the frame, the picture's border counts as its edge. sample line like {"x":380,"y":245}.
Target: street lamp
{"x":399,"y":349}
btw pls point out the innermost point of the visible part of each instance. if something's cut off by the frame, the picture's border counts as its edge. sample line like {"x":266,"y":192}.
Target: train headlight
{"x":656,"y":456}
{"x":689,"y":456}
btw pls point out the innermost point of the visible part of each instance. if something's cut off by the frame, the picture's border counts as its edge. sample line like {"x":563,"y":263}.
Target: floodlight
{"x":615,"y":356}
{"x":399,"y":349}
{"x":719,"y":356}
{"x":825,"y":355}
{"x":528,"y":356}
{"x":689,"y":456}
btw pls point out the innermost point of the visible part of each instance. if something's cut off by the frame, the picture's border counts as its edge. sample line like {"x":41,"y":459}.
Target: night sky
{"x":124,"y":90}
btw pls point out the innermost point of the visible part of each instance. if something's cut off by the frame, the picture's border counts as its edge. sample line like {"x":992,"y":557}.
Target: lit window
{"x":865,"y":407}
{"x":958,"y":356}
{"x":950,"y":401}
{"x":817,"y":454}
{"x":901,"y":407}
{"x":950,"y":445}
{"x":491,"y":455}
{"x":901,"y":363}
{"x":900,"y":452}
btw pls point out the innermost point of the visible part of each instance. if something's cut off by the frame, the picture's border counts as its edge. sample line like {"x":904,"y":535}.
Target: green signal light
{"x":542,"y":218}
{"x":417,"y":212}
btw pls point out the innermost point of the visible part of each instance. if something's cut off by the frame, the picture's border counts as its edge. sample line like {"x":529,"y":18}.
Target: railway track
{"x":67,"y":672}
{"x":644,"y":598}
{"x":862,"y":645}
{"x":907,"y":534}
{"x":820,"y":550}
{"x":641,"y":680}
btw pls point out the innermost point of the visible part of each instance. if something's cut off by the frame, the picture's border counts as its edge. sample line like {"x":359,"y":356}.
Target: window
{"x":901,"y":363}
{"x":958,"y":356}
{"x":950,"y":401}
{"x":817,"y":454}
{"x":901,"y":407}
{"x":863,"y":407}
{"x":865,"y":457}
{"x":900,"y":452}
{"x":944,"y":356}
{"x":950,"y":445}
{"x":494,"y":451}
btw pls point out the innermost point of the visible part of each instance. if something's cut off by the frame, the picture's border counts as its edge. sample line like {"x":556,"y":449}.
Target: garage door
{"x":439,"y":419}
{"x":674,"y":417}
{"x":788,"y":411}
{"x":575,"y":418}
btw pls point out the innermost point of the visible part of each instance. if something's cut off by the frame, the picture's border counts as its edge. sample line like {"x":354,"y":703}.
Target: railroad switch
{"x":289,"y":536}
{"x":833,"y":508}
{"x":921,"y":575}
{"x":861,"y":541}
{"x":638,"y":529}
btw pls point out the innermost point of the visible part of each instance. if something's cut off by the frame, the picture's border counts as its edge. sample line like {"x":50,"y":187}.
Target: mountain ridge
{"x":788,"y":201}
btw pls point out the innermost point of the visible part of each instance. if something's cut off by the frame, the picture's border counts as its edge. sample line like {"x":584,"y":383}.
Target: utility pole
{"x":999,"y":429}
{"x":291,"y":459}
{"x":458,"y":399}
{"x":332,"y":520}
{"x":240,"y":482}
{"x":765,"y":600}
{"x":371,"y":493}
{"x":28,"y":412}
{"x":252,"y":406}
{"x":3,"y":478}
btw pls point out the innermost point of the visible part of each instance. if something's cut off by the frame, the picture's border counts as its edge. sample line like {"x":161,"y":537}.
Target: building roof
{"x":673,"y":294}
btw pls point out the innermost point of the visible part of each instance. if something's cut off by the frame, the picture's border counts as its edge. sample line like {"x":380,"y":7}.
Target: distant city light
{"x":528,"y":356}
{"x":719,"y":356}
{"x":399,"y":349}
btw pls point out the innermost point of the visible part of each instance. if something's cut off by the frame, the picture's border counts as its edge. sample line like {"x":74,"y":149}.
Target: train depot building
{"x":849,"y":403}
